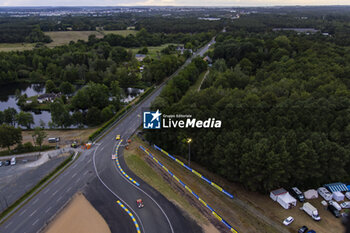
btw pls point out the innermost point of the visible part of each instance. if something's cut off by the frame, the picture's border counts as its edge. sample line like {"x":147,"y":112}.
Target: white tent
{"x":286,"y":200}
{"x":275,"y":193}
{"x":311,"y":194}
{"x":338,"y":196}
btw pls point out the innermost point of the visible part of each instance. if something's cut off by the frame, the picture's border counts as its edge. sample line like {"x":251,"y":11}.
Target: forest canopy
{"x":284,"y":100}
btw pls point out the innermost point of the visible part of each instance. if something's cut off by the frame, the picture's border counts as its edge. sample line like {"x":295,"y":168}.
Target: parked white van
{"x":335,"y":204}
{"x":323,"y":192}
{"x":13,"y":161}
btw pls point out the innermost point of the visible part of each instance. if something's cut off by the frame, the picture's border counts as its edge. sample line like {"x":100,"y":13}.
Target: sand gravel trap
{"x":78,"y":217}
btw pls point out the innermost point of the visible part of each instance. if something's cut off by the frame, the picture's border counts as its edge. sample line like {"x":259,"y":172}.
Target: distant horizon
{"x":174,"y":3}
{"x":175,"y":6}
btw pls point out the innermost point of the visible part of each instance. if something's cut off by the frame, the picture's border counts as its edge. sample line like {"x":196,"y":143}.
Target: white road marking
{"x":77,"y":180}
{"x":85,"y":172}
{"x":119,"y":172}
{"x":68,"y":189}
{"x":35,"y":222}
{"x":75,"y":165}
{"x":58,"y":180}
{"x":54,"y":193}
{"x":8,"y":224}
{"x":98,"y":176}
{"x":48,"y":209}
{"x":22,"y":212}
{"x":74,"y":175}
{"x":59,"y":199}
{"x":46,"y":190}
{"x":36,"y":200}
{"x":33,"y":213}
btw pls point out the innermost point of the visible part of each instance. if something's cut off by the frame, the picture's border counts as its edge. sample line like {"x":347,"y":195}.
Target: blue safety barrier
{"x":190,"y":190}
{"x":194,"y":172}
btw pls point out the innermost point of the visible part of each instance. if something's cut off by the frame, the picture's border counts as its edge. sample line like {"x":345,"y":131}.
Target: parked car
{"x":344,"y":218}
{"x":347,"y":194}
{"x":117,"y":137}
{"x":297,"y":194}
{"x":0,"y":163}
{"x":74,"y":144}
{"x":345,"y":205}
{"x":325,"y":193}
{"x":13,"y":161}
{"x":335,"y":204}
{"x":303,"y":229}
{"x":311,"y":231}
{"x":288,"y":221}
{"x":7,"y":162}
{"x":54,"y":140}
{"x":334,"y":211}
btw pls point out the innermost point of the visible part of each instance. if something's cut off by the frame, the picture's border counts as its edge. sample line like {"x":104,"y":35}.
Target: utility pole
{"x":189,"y":140}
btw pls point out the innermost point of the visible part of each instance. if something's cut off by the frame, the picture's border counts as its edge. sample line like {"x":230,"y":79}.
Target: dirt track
{"x":78,"y":217}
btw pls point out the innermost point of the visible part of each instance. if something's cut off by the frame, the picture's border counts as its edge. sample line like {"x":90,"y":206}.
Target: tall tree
{"x":38,"y":136}
{"x":25,"y":119}
{"x":9,"y":136}
{"x":10,"y":116}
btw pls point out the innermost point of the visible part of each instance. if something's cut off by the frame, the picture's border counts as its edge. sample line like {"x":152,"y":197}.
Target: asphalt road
{"x":18,"y":179}
{"x":97,"y":176}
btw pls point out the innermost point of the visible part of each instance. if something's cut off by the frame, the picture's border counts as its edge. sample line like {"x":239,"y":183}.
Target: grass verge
{"x":135,"y":160}
{"x":233,"y":211}
{"x":35,"y":188}
{"x":196,"y":85}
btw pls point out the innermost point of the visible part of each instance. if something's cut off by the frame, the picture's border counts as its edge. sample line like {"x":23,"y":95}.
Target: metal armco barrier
{"x":131,"y":216}
{"x":193,"y":193}
{"x":115,"y":156}
{"x":194,"y":172}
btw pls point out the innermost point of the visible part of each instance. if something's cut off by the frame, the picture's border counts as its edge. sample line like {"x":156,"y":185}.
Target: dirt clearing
{"x":78,"y":217}
{"x":250,"y":211}
{"x":66,"y":135}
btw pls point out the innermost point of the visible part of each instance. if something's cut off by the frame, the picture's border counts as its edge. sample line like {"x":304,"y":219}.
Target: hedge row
{"x":26,"y":148}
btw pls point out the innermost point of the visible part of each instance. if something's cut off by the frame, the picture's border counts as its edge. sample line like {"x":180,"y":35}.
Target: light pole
{"x":189,"y":140}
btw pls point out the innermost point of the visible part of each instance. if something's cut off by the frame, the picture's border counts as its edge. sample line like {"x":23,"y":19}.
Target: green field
{"x":153,"y":51}
{"x":7,"y":47}
{"x":62,"y":38}
{"x":120,"y":32}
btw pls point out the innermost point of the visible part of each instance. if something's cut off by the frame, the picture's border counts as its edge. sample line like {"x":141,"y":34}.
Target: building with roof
{"x":283,"y":198}
{"x":140,"y":57}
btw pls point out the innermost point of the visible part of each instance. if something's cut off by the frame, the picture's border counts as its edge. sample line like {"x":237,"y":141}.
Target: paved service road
{"x":96,"y":174}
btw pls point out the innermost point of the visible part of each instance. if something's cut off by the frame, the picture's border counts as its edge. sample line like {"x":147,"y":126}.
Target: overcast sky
{"x":170,"y":2}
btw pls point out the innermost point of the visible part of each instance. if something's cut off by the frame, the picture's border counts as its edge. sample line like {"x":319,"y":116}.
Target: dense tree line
{"x":96,"y":60}
{"x":284,"y":104}
{"x":178,"y":25}
{"x":327,"y":21}
{"x":10,"y":116}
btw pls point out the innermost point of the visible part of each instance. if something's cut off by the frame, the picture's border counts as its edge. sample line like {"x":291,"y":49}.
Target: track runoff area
{"x":189,"y":190}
